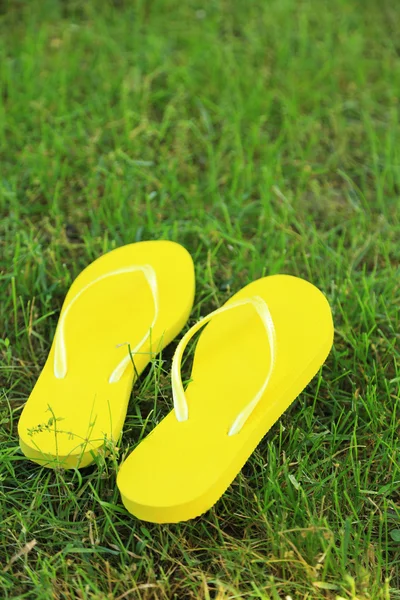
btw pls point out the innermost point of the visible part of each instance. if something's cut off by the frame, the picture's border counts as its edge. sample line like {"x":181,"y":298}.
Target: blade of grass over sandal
{"x":253,"y":358}
{"x":119,"y":312}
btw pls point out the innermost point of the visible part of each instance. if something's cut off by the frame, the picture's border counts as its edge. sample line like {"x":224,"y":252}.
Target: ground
{"x":263,"y":136}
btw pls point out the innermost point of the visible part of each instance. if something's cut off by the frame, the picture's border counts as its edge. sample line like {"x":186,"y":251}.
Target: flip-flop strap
{"x":178,"y":393}
{"x":60,"y":351}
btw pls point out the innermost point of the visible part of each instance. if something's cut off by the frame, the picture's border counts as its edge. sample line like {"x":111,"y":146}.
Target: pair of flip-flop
{"x":253,"y":358}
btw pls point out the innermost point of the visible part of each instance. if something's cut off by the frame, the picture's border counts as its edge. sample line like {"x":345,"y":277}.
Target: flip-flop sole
{"x":182,"y":468}
{"x":66,"y":421}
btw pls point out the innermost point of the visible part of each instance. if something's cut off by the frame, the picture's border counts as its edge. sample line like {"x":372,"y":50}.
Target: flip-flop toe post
{"x":119,"y":312}
{"x":253,"y":358}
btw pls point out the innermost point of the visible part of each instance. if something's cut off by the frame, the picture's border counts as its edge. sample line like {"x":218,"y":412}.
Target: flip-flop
{"x":255,"y":356}
{"x":121,"y":310}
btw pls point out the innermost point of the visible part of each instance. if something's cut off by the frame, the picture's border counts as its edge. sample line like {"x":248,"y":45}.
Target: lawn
{"x":264,"y":137}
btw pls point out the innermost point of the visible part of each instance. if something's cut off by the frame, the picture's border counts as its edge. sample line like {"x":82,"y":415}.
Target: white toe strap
{"x":178,"y":393}
{"x":60,"y":351}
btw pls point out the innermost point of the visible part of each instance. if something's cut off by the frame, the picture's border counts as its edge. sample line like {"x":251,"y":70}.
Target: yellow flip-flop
{"x":121,"y":310}
{"x":255,"y":356}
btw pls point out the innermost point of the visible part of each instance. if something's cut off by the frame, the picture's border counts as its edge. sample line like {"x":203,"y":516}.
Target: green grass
{"x":264,"y":136}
